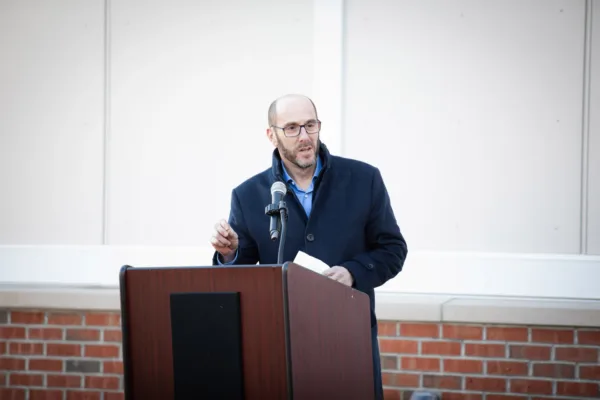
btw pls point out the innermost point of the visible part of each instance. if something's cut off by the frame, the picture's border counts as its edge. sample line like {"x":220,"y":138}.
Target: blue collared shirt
{"x":304,"y":196}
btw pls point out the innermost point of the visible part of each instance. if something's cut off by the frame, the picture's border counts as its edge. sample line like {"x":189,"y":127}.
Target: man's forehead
{"x":295,"y":110}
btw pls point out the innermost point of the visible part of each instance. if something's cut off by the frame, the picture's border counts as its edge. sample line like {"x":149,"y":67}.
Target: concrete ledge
{"x":59,"y":298}
{"x":390,"y":306}
{"x":523,"y":312}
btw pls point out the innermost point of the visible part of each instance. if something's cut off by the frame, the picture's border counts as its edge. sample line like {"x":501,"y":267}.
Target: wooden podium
{"x":243,"y":332}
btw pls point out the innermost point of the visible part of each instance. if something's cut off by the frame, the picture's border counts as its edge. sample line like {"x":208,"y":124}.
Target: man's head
{"x":294,"y":129}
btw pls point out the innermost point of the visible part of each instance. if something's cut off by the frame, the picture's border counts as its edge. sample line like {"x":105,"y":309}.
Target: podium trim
{"x":286,"y":319}
{"x":125,"y":333}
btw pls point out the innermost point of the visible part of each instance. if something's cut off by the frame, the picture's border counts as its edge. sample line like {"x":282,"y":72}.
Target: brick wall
{"x":60,"y":356}
{"x":488,"y":362}
{"x":75,"y":356}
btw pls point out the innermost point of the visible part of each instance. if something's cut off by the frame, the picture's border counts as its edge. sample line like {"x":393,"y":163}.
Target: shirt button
{"x":310,"y":237}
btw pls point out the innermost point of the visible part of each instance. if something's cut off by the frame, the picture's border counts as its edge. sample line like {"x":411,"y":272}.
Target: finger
{"x":333,"y":275}
{"x":329,"y":272}
{"x":222,"y":241}
{"x":222,"y":231}
{"x":215,"y":243}
{"x":338,"y":277}
{"x":225,"y":225}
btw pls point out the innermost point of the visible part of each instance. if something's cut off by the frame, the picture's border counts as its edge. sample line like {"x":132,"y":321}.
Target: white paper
{"x":310,"y":262}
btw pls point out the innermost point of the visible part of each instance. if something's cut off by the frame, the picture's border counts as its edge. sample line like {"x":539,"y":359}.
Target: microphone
{"x":278,"y":191}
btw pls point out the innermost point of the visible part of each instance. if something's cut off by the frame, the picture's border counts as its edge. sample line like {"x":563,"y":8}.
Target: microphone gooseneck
{"x":277,"y":211}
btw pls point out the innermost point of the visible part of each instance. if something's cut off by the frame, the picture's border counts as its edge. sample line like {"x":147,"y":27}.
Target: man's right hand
{"x":225,"y":240}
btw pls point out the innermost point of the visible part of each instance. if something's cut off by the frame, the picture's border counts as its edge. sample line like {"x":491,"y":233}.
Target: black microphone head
{"x":278,"y":187}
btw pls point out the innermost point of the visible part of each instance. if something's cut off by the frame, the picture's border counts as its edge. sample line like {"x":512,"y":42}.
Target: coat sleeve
{"x":247,"y":253}
{"x":387,"y":247}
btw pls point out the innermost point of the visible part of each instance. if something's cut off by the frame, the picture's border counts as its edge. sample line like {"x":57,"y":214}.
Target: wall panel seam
{"x":106,"y":120}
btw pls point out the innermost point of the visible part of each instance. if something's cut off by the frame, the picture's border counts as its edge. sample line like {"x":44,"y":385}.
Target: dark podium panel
{"x":243,"y":332}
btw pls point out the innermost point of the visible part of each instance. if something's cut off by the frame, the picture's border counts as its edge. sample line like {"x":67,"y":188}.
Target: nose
{"x":303,"y":135}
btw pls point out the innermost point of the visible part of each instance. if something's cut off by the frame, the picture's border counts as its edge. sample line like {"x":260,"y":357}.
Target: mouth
{"x":305,"y":150}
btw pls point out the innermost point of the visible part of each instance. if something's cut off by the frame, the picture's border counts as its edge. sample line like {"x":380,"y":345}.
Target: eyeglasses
{"x":292,"y":130}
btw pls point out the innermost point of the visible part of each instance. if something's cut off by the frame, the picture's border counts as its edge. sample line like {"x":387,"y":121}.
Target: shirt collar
{"x":288,"y":178}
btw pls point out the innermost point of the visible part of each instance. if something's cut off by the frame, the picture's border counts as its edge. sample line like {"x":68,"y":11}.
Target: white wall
{"x":477,"y":118}
{"x":191,"y":83}
{"x":128,"y":123}
{"x":51,"y":121}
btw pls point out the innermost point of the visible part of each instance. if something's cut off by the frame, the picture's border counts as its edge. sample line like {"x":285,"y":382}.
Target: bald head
{"x":287,"y":103}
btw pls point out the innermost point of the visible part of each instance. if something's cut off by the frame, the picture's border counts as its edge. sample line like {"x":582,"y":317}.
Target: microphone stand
{"x":280,"y":210}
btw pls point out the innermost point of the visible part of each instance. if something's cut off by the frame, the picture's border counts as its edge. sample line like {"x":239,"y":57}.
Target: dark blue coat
{"x":351,"y":223}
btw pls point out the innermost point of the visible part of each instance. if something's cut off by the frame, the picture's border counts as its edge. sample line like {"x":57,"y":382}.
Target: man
{"x":338,"y":211}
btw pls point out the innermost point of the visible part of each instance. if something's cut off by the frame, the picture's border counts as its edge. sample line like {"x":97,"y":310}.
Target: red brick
{"x":461,"y":396}
{"x":46,"y":333}
{"x":44,"y":364}
{"x":12,"y":394}
{"x":45,"y":395}
{"x":26,"y":348}
{"x":576,"y":354}
{"x":116,"y":367}
{"x":589,"y":337}
{"x":504,"y":397}
{"x":83,"y":334}
{"x":12,"y":364}
{"x":554,"y":370}
{"x":113,"y":335}
{"x":101,"y":351}
{"x":12,"y":332}
{"x":64,"y":381}
{"x":485,"y":384}
{"x":398,"y":346}
{"x":485,"y":350}
{"x":2,"y":347}
{"x":579,"y":389}
{"x":384,"y":328}
{"x":463,"y":366}
{"x":26,"y":380}
{"x":507,"y":368}
{"x":103,"y":319}
{"x":3,"y":379}
{"x":530,"y":386}
{"x":441,"y":348}
{"x":464,"y":332}
{"x":442,"y":382}
{"x":590,"y":372}
{"x":555,"y":336}
{"x":400,"y":380}
{"x":102,"y":382}
{"x":508,"y":334}
{"x":77,"y":395}
{"x":420,"y":364}
{"x":530,"y":352}
{"x":388,"y":394}
{"x":419,"y":330}
{"x":62,"y":349}
{"x":119,"y":396}
{"x":64,"y":319}
{"x":27,"y":317}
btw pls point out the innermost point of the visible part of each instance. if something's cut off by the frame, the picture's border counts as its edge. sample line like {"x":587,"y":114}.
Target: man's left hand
{"x":339,"y":274}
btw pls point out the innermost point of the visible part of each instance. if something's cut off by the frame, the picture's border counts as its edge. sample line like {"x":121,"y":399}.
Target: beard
{"x":292,"y":154}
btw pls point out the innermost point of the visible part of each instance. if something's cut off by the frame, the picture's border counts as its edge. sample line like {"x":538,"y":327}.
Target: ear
{"x":271,"y":135}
